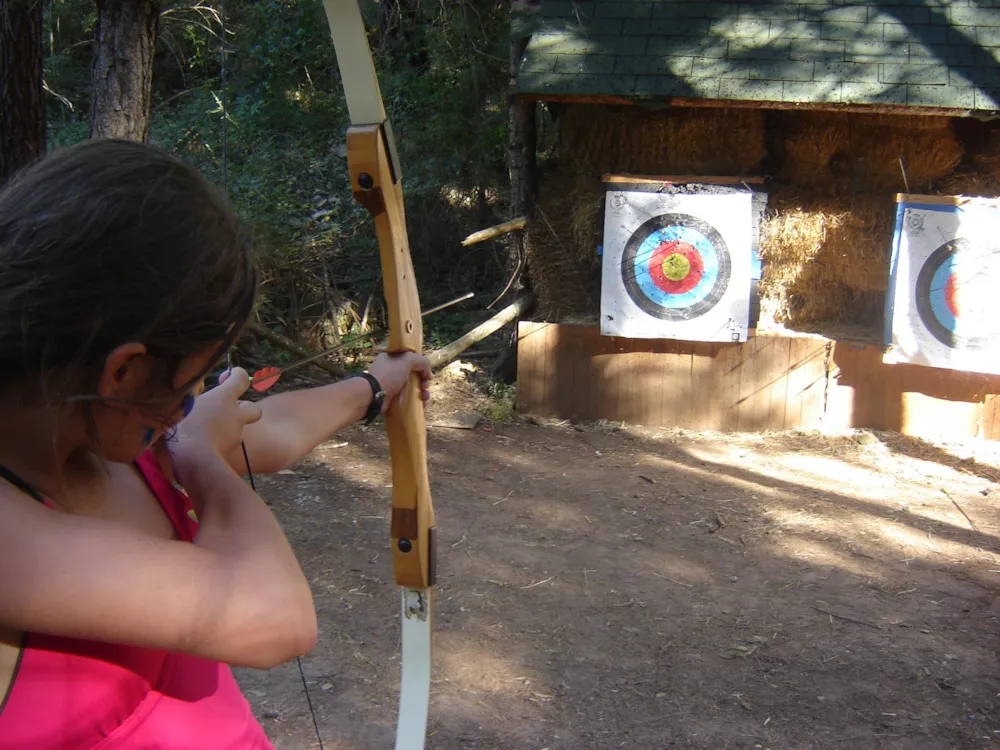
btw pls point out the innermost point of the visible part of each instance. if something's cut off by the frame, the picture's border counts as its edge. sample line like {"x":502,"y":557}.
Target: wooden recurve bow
{"x":376,"y":181}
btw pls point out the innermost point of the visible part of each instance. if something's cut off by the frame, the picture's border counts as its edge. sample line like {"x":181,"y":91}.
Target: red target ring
{"x":951,"y":296}
{"x":676,"y":267}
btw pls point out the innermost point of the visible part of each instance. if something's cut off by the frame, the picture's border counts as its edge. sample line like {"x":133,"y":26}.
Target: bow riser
{"x":372,"y":182}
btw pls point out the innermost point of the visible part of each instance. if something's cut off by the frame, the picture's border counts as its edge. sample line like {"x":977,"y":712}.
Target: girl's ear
{"x":126,"y":372}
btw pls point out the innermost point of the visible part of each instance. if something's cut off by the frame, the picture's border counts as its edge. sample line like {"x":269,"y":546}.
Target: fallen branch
{"x":445,"y":354}
{"x":485,"y":234}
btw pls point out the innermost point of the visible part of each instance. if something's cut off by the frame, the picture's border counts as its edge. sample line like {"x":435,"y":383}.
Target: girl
{"x":124,"y":278}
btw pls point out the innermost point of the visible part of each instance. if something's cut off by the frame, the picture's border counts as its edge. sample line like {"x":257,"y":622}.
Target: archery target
{"x":943,"y":308}
{"x":677,"y":266}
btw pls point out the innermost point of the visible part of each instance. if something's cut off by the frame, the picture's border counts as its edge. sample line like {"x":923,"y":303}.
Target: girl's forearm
{"x":264,"y":583}
{"x":294,"y":423}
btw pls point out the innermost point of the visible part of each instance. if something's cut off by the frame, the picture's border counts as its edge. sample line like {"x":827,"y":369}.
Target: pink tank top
{"x":71,"y":694}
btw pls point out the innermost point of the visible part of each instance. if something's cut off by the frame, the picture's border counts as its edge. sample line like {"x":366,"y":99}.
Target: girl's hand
{"x":393,"y":372}
{"x":216,"y":423}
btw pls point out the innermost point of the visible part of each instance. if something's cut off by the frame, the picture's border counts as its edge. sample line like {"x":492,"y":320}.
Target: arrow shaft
{"x":344,"y":344}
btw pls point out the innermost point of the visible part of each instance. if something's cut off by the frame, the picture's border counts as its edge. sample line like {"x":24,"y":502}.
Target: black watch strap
{"x":378,"y":396}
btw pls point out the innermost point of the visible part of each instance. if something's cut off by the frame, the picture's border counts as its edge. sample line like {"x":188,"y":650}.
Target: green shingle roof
{"x":922,"y":53}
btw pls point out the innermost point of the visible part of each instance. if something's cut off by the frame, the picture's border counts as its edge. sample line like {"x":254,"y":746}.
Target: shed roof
{"x":938,"y":54}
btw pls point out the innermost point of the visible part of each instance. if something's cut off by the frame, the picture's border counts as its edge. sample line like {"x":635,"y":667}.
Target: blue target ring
{"x":937,"y":294}
{"x":690,"y":291}
{"x":676,"y":234}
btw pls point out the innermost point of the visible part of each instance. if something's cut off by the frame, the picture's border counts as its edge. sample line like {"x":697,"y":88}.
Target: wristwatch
{"x":378,"y":396}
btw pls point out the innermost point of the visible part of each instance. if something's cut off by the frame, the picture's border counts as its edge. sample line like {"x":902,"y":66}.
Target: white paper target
{"x":677,"y":266}
{"x":943,"y":303}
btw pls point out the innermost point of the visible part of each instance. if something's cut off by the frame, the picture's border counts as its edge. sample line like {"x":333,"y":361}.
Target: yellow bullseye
{"x":676,"y":267}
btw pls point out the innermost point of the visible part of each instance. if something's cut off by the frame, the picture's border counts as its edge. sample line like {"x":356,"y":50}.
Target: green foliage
{"x":498,"y":406}
{"x":281,"y":154}
{"x":444,"y":327}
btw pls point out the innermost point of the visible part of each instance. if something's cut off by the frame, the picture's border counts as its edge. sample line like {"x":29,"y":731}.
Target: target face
{"x":955,"y":300}
{"x":676,"y":267}
{"x":943,"y":308}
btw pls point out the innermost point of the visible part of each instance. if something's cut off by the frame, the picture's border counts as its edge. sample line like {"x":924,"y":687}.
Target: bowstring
{"x":223,"y":106}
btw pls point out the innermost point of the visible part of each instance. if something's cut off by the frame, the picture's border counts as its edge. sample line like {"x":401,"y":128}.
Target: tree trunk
{"x":122,"y":73}
{"x":521,"y":146}
{"x":521,"y":142}
{"x":22,"y":113}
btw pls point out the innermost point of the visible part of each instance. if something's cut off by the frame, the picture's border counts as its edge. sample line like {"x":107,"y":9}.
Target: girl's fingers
{"x":237,"y":382}
{"x":250,"y":411}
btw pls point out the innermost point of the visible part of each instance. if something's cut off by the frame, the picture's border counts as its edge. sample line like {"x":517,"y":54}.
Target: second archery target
{"x":943,"y":309}
{"x":677,"y":265}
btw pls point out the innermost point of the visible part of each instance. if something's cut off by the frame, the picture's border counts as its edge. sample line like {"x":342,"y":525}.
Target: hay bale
{"x":910,"y":121}
{"x":826,"y":256}
{"x":827,"y":236}
{"x":598,"y":140}
{"x":565,"y":273}
{"x":586,"y":223}
{"x":863,"y":151}
{"x":980,"y":178}
{"x":848,"y":237}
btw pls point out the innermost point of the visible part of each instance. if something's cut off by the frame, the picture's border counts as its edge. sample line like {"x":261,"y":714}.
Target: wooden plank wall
{"x":768,"y":383}
{"x":573,"y":372}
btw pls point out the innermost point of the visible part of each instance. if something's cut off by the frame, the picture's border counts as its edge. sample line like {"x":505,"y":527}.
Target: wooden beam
{"x":486,"y":234}
{"x":868,"y":109}
{"x":945,"y":200}
{"x":445,"y":354}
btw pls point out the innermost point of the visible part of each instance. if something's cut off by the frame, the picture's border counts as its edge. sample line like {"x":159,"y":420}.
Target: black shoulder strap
{"x":15,"y":480}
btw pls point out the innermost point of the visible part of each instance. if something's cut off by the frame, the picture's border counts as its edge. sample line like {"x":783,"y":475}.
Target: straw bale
{"x":800,"y":308}
{"x":587,"y":202}
{"x":863,"y":151}
{"x":910,"y":122}
{"x":845,"y":238}
{"x":981,"y":178}
{"x":825,"y":256}
{"x":664,"y":142}
{"x":827,"y":235}
{"x":562,"y":261}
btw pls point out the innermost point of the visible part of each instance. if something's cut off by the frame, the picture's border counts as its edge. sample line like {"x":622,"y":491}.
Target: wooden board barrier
{"x":767,"y":383}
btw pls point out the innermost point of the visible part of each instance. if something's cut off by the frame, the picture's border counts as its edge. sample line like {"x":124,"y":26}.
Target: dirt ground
{"x":604,"y":586}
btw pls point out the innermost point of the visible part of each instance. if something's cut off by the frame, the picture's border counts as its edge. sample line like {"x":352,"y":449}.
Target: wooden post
{"x":521,"y":159}
{"x":522,"y":137}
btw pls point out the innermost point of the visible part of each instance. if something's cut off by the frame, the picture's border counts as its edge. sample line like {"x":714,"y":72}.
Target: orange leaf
{"x":264,"y":379}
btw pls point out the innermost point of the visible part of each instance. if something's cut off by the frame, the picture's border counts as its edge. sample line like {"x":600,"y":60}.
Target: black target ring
{"x":716,"y":262}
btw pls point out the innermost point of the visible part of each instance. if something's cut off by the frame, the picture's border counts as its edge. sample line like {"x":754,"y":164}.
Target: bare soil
{"x":604,"y":586}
